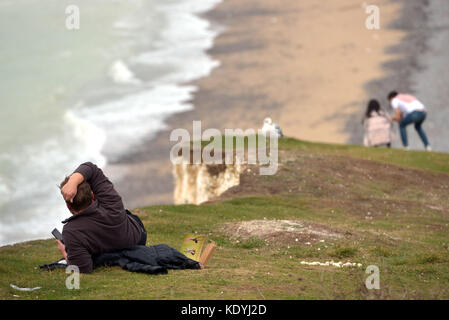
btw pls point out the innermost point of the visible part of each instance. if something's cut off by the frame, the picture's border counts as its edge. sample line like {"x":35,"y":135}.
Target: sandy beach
{"x":311,"y":66}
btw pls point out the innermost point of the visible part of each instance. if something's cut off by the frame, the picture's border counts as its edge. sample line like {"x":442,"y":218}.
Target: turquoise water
{"x":69,"y":96}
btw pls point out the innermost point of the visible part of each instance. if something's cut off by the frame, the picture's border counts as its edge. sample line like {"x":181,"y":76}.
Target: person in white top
{"x":409,"y":110}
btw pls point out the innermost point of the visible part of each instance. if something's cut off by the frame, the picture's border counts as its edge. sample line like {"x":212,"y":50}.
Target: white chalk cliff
{"x":197,"y":183}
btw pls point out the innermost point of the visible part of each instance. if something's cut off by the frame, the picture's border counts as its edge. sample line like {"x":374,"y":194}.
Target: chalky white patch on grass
{"x":292,"y":232}
{"x":331,"y":263}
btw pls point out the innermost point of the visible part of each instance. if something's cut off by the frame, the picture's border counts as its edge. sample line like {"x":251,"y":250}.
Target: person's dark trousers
{"x":416,"y":117}
{"x":143,"y":239}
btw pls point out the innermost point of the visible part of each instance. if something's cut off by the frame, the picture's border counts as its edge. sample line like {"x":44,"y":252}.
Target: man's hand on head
{"x":70,"y":189}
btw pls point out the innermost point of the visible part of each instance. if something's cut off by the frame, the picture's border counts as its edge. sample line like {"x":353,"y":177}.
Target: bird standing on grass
{"x":269,"y":125}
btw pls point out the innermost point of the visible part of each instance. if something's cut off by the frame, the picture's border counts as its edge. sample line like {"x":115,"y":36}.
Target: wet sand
{"x":311,"y":66}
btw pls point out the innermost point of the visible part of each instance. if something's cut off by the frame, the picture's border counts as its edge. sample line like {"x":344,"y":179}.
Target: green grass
{"x":410,"y":246}
{"x":418,"y":159}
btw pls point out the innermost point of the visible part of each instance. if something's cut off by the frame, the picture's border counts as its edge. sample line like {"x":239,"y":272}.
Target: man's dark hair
{"x":392,"y":94}
{"x":83,"y":197}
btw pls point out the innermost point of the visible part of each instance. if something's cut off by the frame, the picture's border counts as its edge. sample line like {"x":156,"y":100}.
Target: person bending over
{"x":99,"y":221}
{"x":409,"y":110}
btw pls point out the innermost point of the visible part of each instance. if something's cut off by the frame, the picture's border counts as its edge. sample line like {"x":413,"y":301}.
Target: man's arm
{"x":77,"y":254}
{"x":397,"y":111}
{"x":70,"y":188}
{"x":102,"y":188}
{"x":61,"y":248}
{"x":397,"y":116}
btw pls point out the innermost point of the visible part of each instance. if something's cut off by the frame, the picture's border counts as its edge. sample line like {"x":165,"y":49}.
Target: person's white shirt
{"x":407,"y":104}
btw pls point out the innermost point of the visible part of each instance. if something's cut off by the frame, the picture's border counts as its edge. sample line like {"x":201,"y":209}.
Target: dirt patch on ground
{"x":282,"y":231}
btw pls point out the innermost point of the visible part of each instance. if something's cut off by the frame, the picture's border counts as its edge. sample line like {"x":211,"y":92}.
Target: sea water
{"x":90,"y":94}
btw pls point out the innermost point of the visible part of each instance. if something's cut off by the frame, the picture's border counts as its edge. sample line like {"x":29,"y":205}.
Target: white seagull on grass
{"x":269,"y":125}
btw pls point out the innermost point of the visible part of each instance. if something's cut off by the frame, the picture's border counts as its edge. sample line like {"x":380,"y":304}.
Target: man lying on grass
{"x":99,"y":221}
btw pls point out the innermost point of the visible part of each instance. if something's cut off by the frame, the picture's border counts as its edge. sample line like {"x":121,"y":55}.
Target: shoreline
{"x":264,"y":60}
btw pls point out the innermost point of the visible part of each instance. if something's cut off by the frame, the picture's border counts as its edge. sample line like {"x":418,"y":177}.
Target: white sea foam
{"x":181,"y":49}
{"x":130,"y":119}
{"x":91,"y":138}
{"x":30,"y":201}
{"x":192,"y":6}
{"x":184,"y":43}
{"x":120,"y":73}
{"x":126,"y":24}
{"x":34,"y":204}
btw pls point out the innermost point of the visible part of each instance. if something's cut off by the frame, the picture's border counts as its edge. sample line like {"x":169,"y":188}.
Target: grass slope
{"x":391,"y":205}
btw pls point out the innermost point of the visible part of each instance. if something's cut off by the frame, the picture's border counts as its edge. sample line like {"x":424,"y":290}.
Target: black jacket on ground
{"x":152,"y":259}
